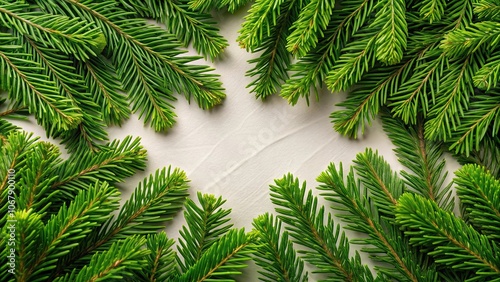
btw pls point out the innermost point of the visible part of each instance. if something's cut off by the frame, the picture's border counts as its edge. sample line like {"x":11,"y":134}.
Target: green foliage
{"x":430,"y":60}
{"x":70,"y":62}
{"x":62,"y":220}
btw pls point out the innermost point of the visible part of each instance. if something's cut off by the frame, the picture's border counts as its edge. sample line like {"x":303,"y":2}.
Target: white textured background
{"x":239,"y":148}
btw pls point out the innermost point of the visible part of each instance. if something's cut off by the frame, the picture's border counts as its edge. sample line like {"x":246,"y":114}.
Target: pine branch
{"x":59,"y":68}
{"x":206,"y":223}
{"x":487,"y":10}
{"x":160,"y":263}
{"x":488,"y":156}
{"x":115,"y":263}
{"x":69,"y":35}
{"x":275,"y":253}
{"x":392,"y":38}
{"x":271,"y":67}
{"x":146,"y":58}
{"x":35,"y":178}
{"x":198,"y":28}
{"x":156,"y":200}
{"x":357,"y":58}
{"x":464,"y":42}
{"x":482,"y":116}
{"x":28,"y":86}
{"x":71,"y":224}
{"x":309,"y":27}
{"x":101,"y":79}
{"x":113,"y":163}
{"x":446,"y":238}
{"x":327,"y":248}
{"x":311,"y":70}
{"x":432,"y":10}
{"x":488,"y":75}
{"x":225,"y":257}
{"x":385,"y":242}
{"x":423,"y":158}
{"x":479,"y":193}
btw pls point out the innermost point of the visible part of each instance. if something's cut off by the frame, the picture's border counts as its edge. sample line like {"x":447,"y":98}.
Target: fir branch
{"x":488,"y":156}
{"x":487,"y":10}
{"x":309,"y":27}
{"x":189,"y":27}
{"x":271,"y":67}
{"x":312,"y":69}
{"x":224,"y":258}
{"x":206,"y":223}
{"x":101,"y":79}
{"x":29,"y":87}
{"x":392,"y":38}
{"x":115,"y":263}
{"x":62,"y":232}
{"x":453,"y":98}
{"x":432,"y":10}
{"x":69,"y":35}
{"x":488,"y":75}
{"x":35,"y":177}
{"x":479,"y":193}
{"x":385,"y":241}
{"x":482,"y":116}
{"x":384,"y":184}
{"x":423,"y":158}
{"x":446,"y":238}
{"x":357,"y":58}
{"x":59,"y":68}
{"x":327,"y":247}
{"x":160,"y":263}
{"x":464,"y":42}
{"x":146,"y":58}
{"x":275,"y":253}
{"x":116,"y":161}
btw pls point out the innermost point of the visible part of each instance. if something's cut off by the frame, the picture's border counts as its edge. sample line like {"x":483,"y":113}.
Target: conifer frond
{"x":206,"y":223}
{"x":271,"y":67}
{"x":452,"y":101}
{"x":224,"y":258}
{"x":357,"y":58}
{"x":36,"y":177}
{"x":203,"y":5}
{"x":431,"y":10}
{"x":71,"y":224}
{"x":488,"y":75}
{"x":385,"y":243}
{"x":116,"y":161}
{"x":198,"y":28}
{"x":488,"y":155}
{"x":482,"y":117}
{"x":233,"y":5}
{"x":488,"y":10}
{"x":309,"y":27}
{"x":448,"y":239}
{"x":115,"y":263}
{"x":376,"y":175}
{"x":275,"y":253}
{"x":160,"y":263}
{"x":327,"y":247}
{"x":156,"y":200}
{"x":464,"y":42}
{"x":311,"y":70}
{"x":423,"y":158}
{"x":59,"y":68}
{"x":69,"y":35}
{"x":147,"y":60}
{"x":102,"y":81}
{"x":30,"y":87}
{"x":479,"y":194}
{"x":392,"y":38}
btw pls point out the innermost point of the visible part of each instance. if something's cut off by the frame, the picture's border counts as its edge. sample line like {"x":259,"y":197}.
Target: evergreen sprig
{"x":69,"y":62}
{"x":69,"y":226}
{"x":433,"y":60}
